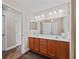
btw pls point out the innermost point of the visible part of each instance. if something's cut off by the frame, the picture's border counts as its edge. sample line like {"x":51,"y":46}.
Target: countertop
{"x":51,"y":37}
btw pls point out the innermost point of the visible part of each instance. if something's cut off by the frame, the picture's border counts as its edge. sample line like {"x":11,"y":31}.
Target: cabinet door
{"x":62,"y":50}
{"x":51,"y":48}
{"x":31,"y":43}
{"x":43,"y":46}
{"x":36,"y":44}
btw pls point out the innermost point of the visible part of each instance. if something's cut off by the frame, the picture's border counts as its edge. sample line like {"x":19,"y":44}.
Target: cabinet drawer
{"x":43,"y":47}
{"x":44,"y":51}
{"x":36,"y":49}
{"x":43,"y":42}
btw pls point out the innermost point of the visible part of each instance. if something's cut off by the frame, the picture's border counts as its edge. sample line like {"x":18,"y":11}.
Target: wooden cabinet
{"x":58,"y":49}
{"x":62,"y":50}
{"x":36,"y":44}
{"x":43,"y":46}
{"x":31,"y":43}
{"x":51,"y":48}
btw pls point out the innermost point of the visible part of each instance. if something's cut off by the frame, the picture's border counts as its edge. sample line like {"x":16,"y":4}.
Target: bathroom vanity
{"x":50,"y":35}
{"x":53,"y":48}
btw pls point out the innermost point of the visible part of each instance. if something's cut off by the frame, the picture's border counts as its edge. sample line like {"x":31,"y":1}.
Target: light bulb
{"x":42,"y":15}
{"x":55,"y":12}
{"x":38,"y":16}
{"x":50,"y":13}
{"x":35,"y":17}
{"x":60,"y":10}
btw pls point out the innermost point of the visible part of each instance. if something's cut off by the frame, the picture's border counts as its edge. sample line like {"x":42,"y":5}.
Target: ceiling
{"x":37,"y":5}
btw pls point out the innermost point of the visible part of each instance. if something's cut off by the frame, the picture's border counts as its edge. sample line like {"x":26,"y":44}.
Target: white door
{"x":3,"y":33}
{"x":10,"y":30}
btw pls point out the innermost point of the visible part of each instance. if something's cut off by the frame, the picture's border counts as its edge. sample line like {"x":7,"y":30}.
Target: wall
{"x":73,"y":30}
{"x":65,"y":7}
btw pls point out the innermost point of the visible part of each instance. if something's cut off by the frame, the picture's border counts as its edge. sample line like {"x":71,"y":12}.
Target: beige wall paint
{"x":73,"y":29}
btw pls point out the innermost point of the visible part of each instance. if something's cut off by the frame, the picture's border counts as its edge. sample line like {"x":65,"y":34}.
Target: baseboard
{"x":25,"y":52}
{"x":12,"y":47}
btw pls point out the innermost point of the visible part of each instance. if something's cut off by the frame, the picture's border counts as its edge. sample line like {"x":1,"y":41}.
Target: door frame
{"x":5,"y":48}
{"x":20,"y":12}
{"x":73,"y":30}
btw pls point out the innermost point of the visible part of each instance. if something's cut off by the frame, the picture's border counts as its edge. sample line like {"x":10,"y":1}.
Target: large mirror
{"x":53,"y":21}
{"x":53,"y":26}
{"x":33,"y":25}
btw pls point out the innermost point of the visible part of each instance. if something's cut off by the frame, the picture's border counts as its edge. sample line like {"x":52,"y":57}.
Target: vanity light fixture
{"x":42,"y":15}
{"x":55,"y":12}
{"x":38,"y":16}
{"x":35,"y":17}
{"x":50,"y":13}
{"x":61,"y":10}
